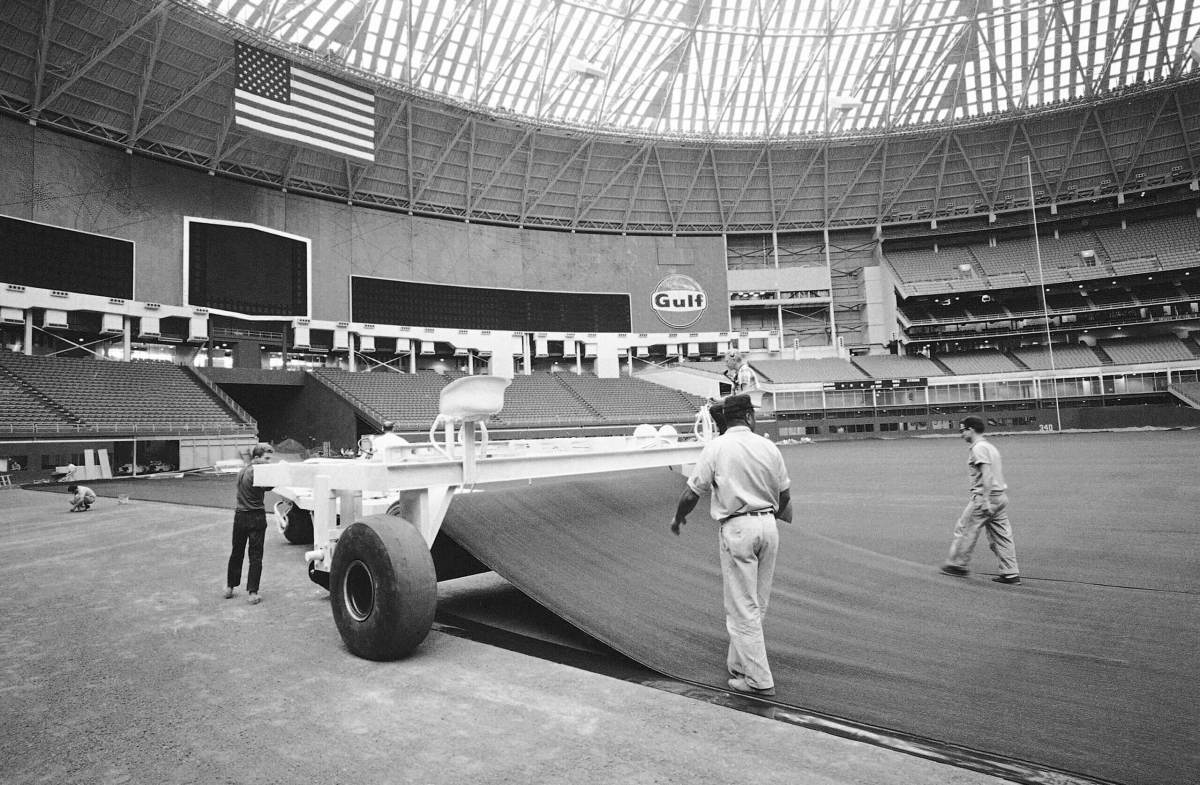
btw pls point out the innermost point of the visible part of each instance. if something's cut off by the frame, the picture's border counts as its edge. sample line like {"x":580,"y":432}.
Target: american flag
{"x":273,"y":96}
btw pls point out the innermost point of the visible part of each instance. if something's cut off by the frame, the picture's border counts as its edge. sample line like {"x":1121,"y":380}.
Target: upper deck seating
{"x":119,"y":395}
{"x":825,"y":369}
{"x":1065,"y":356}
{"x":892,"y":366}
{"x":1174,"y":241}
{"x":1133,"y":351}
{"x":927,"y":265}
{"x":986,"y":361}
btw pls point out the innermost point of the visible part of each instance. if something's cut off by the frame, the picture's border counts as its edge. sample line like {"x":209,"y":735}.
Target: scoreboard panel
{"x":388,"y":301}
{"x":57,"y":258}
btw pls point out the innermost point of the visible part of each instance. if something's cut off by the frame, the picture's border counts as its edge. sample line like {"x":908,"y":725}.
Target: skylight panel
{"x":738,"y":66}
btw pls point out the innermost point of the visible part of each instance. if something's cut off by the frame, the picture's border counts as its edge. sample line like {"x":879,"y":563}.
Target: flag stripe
{"x":358,"y":100}
{"x":307,"y":112}
{"x":301,"y":131}
{"x":273,"y":96}
{"x":275,"y":130}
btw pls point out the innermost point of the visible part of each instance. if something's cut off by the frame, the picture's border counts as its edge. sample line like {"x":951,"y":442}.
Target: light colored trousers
{"x":749,"y":544}
{"x":974,"y":519}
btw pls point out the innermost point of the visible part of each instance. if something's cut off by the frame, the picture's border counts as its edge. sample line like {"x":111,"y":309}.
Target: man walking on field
{"x":750,"y":488}
{"x":987,"y":510}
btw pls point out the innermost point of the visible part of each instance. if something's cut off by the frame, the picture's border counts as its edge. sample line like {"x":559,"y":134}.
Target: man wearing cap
{"x":749,"y":485}
{"x":987,"y":509}
{"x":249,"y":526}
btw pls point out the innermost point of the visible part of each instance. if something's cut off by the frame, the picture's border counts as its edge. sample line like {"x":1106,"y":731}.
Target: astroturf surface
{"x":1089,"y":667}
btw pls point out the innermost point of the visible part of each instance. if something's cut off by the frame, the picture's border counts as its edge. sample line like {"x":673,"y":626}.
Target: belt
{"x":767,"y":511}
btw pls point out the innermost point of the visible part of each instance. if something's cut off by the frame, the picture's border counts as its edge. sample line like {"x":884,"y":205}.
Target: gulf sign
{"x":679,"y":301}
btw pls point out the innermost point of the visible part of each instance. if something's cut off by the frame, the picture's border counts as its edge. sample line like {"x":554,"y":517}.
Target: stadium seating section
{"x":1148,"y":246}
{"x":1075,"y":356}
{"x":987,"y":361}
{"x":828,"y":369}
{"x":1130,"y":351}
{"x":536,"y":400}
{"x":85,"y":394}
{"x":890,"y":366}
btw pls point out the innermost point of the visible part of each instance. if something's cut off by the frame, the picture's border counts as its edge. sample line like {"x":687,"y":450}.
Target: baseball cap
{"x":974,"y":423}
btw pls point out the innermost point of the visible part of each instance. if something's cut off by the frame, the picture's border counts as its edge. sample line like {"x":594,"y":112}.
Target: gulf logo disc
{"x":679,"y":301}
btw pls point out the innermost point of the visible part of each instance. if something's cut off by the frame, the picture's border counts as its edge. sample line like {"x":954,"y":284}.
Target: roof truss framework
{"x":738,"y":68}
{"x":158,"y":78}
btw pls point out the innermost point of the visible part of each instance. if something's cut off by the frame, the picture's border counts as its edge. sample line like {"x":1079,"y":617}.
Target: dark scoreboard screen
{"x":245,"y":269}
{"x":53,"y":257}
{"x":879,"y":384}
{"x":387,"y":301}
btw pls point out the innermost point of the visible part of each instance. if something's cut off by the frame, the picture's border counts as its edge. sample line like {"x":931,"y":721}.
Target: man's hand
{"x":687,"y":503}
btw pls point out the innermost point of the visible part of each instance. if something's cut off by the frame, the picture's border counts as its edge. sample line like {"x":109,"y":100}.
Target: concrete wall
{"x":65,"y":181}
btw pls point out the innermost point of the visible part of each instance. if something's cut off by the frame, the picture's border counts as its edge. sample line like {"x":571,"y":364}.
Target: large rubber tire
{"x":299,"y":529}
{"x":450,"y":560}
{"x":383,"y":588}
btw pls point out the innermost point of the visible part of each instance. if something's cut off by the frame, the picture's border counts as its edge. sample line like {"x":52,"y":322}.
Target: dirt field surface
{"x":125,"y":665}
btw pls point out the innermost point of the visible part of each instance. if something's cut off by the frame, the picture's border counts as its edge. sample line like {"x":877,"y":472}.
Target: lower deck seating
{"x":629,"y":400}
{"x":891,"y":366}
{"x":534,"y":400}
{"x":825,"y":369}
{"x":135,"y":395}
{"x":1065,"y":356}
{"x":1132,"y":351}
{"x":989,"y":361}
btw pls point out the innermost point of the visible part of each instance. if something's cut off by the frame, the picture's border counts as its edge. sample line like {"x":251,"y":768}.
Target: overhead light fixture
{"x":587,"y":68}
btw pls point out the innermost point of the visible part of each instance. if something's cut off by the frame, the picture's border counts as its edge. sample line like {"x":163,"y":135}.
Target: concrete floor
{"x":122,"y":663}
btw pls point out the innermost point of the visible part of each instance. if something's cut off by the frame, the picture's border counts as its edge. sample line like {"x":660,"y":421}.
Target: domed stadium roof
{"x":662,"y":117}
{"x":764,"y":69}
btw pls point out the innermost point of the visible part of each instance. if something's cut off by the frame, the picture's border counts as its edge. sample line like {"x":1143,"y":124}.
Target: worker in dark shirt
{"x":249,"y":526}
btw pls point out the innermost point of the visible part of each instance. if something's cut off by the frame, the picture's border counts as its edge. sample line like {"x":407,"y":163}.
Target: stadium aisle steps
{"x":560,"y":379}
{"x":37,"y":406}
{"x":945,"y":368}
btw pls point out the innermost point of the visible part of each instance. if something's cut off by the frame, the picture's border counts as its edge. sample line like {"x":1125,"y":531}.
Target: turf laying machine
{"x":373,"y":521}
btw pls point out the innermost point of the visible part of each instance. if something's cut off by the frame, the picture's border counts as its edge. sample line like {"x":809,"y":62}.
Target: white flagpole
{"x":1037,"y":247}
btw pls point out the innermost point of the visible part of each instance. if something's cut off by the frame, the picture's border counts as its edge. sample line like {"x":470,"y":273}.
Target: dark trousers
{"x":249,"y":528}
